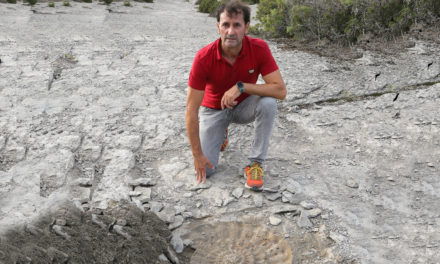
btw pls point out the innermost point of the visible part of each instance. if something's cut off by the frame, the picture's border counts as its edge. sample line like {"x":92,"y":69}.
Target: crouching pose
{"x":222,"y":89}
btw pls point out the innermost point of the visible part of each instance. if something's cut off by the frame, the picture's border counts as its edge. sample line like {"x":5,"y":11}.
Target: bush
{"x":32,"y":2}
{"x":66,"y":3}
{"x":107,"y":2}
{"x":12,"y":1}
{"x":148,"y":1}
{"x":50,"y":4}
{"x":208,"y":6}
{"x":342,"y":20}
{"x":87,"y":1}
{"x":127,"y":3}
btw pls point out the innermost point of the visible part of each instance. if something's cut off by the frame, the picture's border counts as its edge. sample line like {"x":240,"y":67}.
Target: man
{"x":223,"y":82}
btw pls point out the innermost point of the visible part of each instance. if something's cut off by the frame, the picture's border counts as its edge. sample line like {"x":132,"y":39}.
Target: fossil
{"x":236,"y":242}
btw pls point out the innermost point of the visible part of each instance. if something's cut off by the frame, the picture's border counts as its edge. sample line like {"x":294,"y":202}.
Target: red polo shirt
{"x":213,"y":74}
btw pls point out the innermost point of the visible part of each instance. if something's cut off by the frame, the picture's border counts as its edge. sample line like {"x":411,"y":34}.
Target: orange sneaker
{"x":225,"y":144}
{"x":254,"y":177}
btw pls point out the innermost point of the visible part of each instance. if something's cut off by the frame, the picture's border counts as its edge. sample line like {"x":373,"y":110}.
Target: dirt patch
{"x":381,"y":45}
{"x":69,"y":235}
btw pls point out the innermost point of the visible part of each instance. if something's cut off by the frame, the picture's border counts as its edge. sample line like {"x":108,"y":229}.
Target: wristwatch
{"x":240,"y":86}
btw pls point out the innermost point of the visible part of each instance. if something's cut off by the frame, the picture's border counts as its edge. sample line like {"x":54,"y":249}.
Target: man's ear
{"x":218,"y":28}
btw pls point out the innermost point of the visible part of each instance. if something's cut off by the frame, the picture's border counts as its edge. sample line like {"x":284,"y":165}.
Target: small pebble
{"x":352,"y":184}
{"x":198,"y":204}
{"x":237,"y":192}
{"x":274,"y":220}
{"x":188,"y":195}
{"x":307,"y":205}
{"x":430,"y":165}
{"x":314,"y":212}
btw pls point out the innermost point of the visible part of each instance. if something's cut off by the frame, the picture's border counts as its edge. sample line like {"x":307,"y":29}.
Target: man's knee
{"x":267,"y":106}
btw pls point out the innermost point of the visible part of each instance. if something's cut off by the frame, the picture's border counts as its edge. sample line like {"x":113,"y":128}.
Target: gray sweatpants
{"x":213,"y":124}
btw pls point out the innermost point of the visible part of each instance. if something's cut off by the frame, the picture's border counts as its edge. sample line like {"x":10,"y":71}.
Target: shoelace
{"x":255,"y":171}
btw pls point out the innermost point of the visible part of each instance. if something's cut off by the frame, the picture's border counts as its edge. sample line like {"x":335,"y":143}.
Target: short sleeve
{"x":198,"y":75}
{"x":266,"y":60}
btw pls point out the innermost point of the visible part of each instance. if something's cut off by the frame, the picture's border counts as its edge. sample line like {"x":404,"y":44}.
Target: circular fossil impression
{"x":235,"y":242}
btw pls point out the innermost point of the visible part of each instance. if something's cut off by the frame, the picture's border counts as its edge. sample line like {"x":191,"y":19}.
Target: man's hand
{"x":228,"y":99}
{"x":200,"y":164}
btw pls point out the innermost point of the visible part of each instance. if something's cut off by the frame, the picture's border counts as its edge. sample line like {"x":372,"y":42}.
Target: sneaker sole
{"x":253,"y":188}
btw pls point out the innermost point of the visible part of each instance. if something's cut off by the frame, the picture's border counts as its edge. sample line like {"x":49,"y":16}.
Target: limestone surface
{"x":92,"y":104}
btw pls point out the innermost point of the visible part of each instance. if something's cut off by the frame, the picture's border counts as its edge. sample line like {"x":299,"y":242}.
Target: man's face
{"x":232,"y":29}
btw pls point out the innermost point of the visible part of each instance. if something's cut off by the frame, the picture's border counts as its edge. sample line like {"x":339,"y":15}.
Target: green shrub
{"x":342,"y":20}
{"x":208,"y":6}
{"x":66,"y":3}
{"x":50,"y":4}
{"x":87,"y":1}
{"x":127,"y":3}
{"x":32,"y":2}
{"x":12,"y":1}
{"x":148,"y":1}
{"x":107,"y":2}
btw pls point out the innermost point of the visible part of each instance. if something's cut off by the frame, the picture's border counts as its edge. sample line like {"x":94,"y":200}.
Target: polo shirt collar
{"x":243,"y":52}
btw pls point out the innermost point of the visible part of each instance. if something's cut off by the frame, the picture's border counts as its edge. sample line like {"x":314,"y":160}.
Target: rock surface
{"x":96,"y":93}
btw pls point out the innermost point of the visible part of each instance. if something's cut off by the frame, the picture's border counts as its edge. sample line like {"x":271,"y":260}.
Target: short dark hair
{"x":234,"y":7}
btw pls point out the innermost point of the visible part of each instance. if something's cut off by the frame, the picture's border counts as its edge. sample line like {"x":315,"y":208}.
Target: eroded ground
{"x":92,"y":102}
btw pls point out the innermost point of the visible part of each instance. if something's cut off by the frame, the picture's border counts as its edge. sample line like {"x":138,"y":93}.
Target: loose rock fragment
{"x":177,"y":243}
{"x":156,"y":207}
{"x":314,"y":212}
{"x":273,"y":196}
{"x":96,"y":221}
{"x":57,"y":256}
{"x":274,"y":220}
{"x":287,"y":197}
{"x":188,"y":195}
{"x":59,"y":231}
{"x":172,"y":256}
{"x":163,"y":258}
{"x":307,"y":205}
{"x":352,"y":184}
{"x":120,"y":231}
{"x":228,"y":200}
{"x":178,"y":221}
{"x":84,"y":182}
{"x":303,"y":220}
{"x":144,"y":182}
{"x":237,"y":192}
{"x":258,"y":200}
{"x":145,"y":196}
{"x":200,"y":186}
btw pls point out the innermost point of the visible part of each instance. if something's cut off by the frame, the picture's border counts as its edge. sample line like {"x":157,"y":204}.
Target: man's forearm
{"x":275,"y":90}
{"x":192,"y":129}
